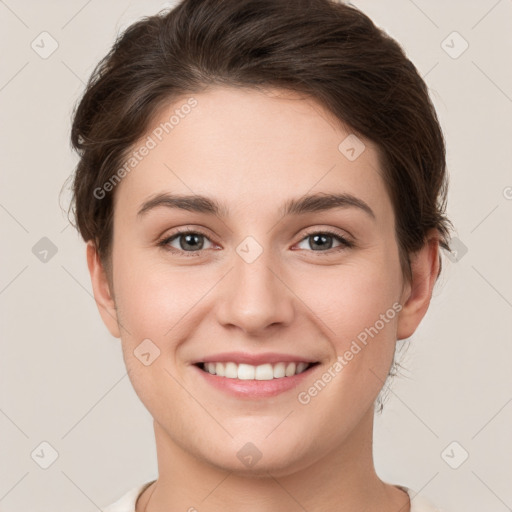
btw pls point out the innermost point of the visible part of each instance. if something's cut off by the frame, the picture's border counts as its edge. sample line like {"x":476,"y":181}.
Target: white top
{"x":127,"y":502}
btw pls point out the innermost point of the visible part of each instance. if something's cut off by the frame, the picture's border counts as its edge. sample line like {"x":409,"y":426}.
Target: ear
{"x":417,"y":293}
{"x":103,"y":295}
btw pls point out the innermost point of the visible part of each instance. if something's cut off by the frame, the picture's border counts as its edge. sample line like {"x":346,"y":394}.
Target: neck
{"x":343,"y":480}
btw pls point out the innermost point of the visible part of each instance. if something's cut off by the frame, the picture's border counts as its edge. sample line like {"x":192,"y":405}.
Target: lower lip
{"x":255,"y":388}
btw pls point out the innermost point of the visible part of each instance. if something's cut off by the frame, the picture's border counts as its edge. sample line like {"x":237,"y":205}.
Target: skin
{"x":267,"y":147}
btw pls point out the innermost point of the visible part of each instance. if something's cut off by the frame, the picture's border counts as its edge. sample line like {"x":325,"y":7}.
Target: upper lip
{"x":254,"y":359}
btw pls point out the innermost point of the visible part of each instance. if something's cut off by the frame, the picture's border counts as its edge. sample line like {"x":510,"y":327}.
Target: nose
{"x":253,"y":297}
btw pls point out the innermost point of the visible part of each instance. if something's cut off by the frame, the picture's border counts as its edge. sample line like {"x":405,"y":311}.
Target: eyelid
{"x":330,"y":231}
{"x":166,"y":239}
{"x":346,"y":243}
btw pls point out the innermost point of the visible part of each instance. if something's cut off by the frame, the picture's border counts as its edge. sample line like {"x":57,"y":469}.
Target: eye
{"x":188,"y":241}
{"x":323,"y":240}
{"x":192,"y":242}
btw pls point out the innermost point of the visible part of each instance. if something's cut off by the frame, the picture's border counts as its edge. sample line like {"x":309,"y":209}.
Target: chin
{"x":258,"y":460}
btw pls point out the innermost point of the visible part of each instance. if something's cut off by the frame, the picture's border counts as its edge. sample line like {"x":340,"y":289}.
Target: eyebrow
{"x":298,"y":206}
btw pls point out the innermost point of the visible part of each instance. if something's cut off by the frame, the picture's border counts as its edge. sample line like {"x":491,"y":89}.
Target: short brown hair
{"x":326,"y":50}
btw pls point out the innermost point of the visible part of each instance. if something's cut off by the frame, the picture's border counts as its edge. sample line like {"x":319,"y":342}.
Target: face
{"x":252,"y":285}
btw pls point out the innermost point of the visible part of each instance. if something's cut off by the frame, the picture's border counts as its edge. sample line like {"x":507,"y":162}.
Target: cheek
{"x":354,"y":296}
{"x":359,"y":305}
{"x":152,"y":303}
{"x":151,"y":298}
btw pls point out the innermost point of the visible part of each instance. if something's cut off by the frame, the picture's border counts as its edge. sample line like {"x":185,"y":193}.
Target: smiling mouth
{"x":232,"y":370}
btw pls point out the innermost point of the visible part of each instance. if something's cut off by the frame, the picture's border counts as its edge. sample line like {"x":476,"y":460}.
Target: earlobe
{"x":103,"y":295}
{"x":417,"y":295}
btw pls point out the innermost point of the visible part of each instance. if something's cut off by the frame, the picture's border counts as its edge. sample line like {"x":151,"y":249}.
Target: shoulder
{"x":419,"y":503}
{"x":126,"y":503}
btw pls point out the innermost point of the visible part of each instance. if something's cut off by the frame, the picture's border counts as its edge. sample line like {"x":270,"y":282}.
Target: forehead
{"x":250,"y":147}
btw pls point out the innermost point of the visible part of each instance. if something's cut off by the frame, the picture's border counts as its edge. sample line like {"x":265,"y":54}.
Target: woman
{"x":262,"y":190}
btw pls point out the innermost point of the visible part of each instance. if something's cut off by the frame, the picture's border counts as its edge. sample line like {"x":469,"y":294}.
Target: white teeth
{"x":301,"y":367}
{"x":219,"y":369}
{"x":231,"y":370}
{"x":264,"y":372}
{"x":290,"y":369}
{"x":244,"y":371}
{"x":279,"y":370}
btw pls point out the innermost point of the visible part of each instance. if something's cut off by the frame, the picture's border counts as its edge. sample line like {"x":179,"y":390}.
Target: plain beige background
{"x":65,"y":398}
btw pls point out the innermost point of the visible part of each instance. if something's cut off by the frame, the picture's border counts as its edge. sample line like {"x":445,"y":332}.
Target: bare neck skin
{"x":343,"y":481}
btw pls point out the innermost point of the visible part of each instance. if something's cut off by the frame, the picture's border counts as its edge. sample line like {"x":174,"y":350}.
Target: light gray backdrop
{"x":445,"y":430}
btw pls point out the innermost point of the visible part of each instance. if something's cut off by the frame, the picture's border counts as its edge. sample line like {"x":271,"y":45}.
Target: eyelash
{"x":345,"y":244}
